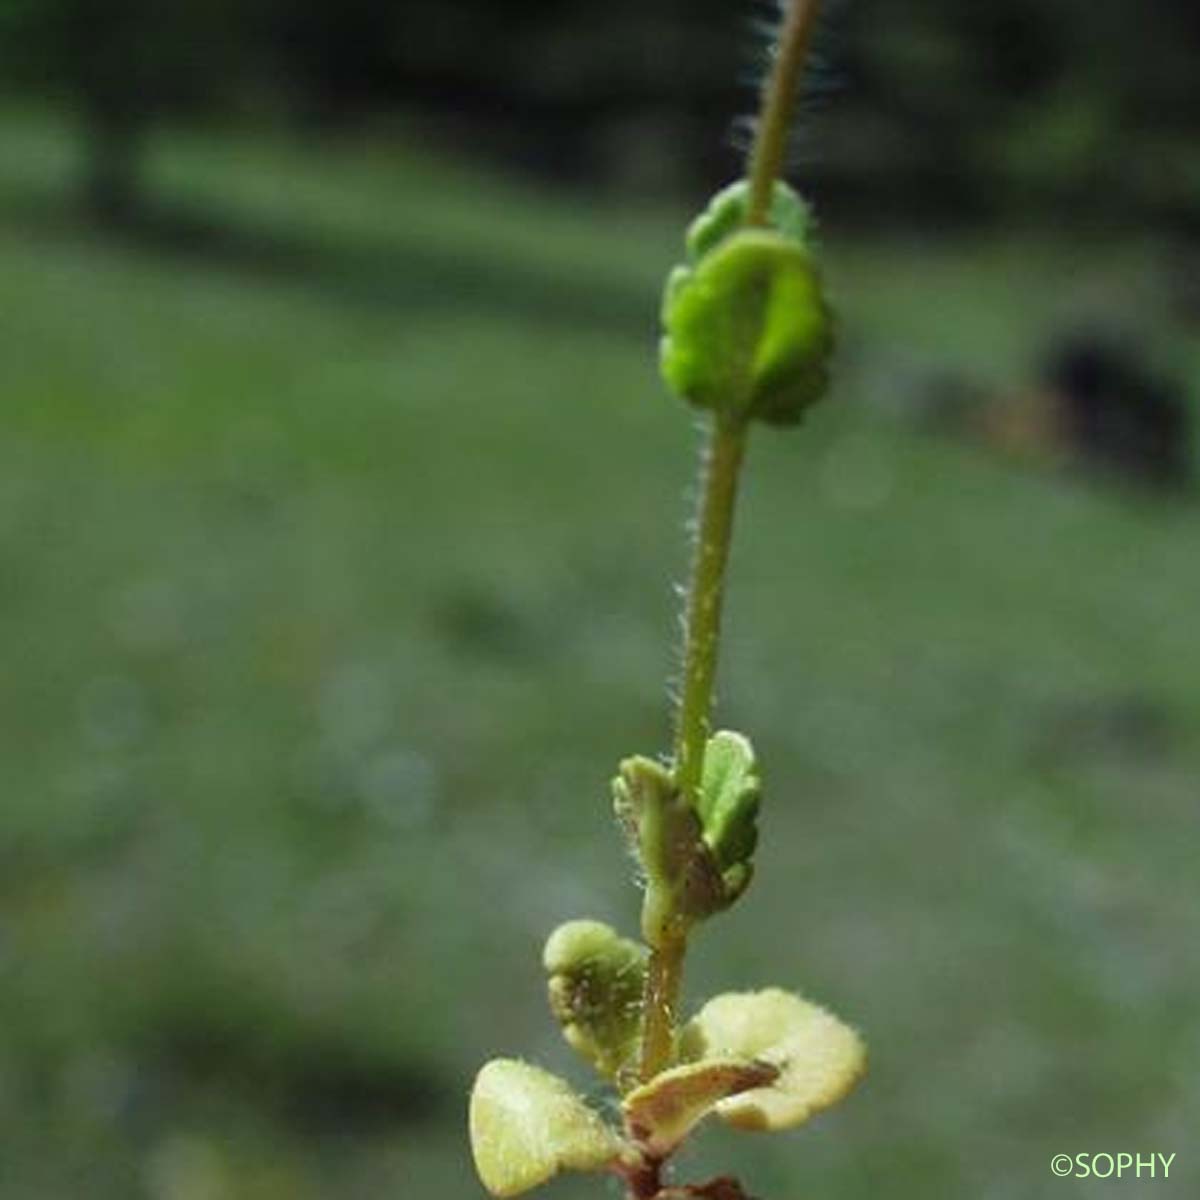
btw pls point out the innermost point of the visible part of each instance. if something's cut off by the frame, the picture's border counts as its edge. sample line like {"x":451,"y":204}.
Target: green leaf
{"x":729,"y":798}
{"x":596,"y":980}
{"x":528,"y":1125}
{"x":747,"y":334}
{"x":661,"y":1113}
{"x":819,"y":1059}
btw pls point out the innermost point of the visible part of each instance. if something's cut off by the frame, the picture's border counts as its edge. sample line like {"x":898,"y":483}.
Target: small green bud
{"x":596,"y":979}
{"x":747,"y":332}
{"x":697,"y":861}
{"x":682,"y":881}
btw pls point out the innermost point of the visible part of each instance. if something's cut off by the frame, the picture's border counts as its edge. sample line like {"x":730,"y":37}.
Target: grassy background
{"x":339,"y":515}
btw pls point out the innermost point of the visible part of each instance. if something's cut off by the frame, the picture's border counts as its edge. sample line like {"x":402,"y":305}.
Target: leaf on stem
{"x":819,"y":1059}
{"x":730,"y":793}
{"x":528,"y":1125}
{"x":661,"y":1113}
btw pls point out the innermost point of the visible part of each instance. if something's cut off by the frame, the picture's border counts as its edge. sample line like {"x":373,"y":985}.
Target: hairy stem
{"x":778,"y":104}
{"x":702,"y":626}
{"x":706,"y":593}
{"x":664,"y":973}
{"x":719,"y":483}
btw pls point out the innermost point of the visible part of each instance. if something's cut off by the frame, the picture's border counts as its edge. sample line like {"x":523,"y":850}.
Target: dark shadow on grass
{"x":355,"y":270}
{"x":321,"y":1081}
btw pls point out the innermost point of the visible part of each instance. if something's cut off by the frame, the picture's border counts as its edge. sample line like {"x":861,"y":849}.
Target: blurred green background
{"x":340,"y":508}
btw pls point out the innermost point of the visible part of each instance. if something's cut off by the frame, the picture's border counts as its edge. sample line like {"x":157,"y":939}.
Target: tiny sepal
{"x":788,"y":215}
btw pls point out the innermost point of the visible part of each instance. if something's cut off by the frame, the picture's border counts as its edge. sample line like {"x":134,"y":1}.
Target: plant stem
{"x":724,"y":457}
{"x":664,"y":973}
{"x":719,"y":483}
{"x":702,"y":626}
{"x":778,"y":103}
{"x":644,"y":1182}
{"x":706,"y":592}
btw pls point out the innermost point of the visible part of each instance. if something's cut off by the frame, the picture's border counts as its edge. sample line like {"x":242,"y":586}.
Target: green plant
{"x":747,"y":337}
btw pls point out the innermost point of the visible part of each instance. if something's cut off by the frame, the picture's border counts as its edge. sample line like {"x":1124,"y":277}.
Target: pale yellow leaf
{"x":528,"y":1125}
{"x":819,"y":1059}
{"x":661,"y":1113}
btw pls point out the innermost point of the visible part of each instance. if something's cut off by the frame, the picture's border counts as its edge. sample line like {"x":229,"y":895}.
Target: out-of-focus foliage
{"x":337,"y":509}
{"x":122,"y":64}
{"x":960,"y":106}
{"x":1089,"y":104}
{"x":335,"y":540}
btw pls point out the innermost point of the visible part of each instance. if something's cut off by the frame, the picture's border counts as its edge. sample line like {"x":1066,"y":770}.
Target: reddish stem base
{"x":644,"y":1182}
